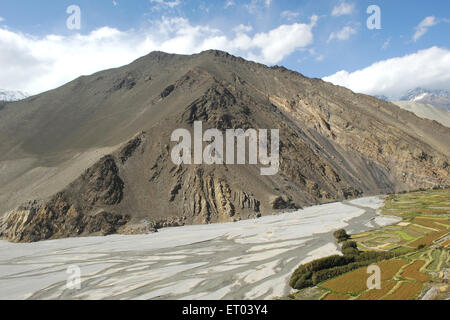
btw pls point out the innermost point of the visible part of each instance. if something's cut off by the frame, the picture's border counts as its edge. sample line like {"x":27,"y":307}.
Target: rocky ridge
{"x":334,"y":145}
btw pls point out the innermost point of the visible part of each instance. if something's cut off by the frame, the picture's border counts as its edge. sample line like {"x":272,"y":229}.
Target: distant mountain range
{"x":425,"y":103}
{"x":382,"y":97}
{"x":437,"y":98}
{"x":426,"y":111}
{"x":9,"y":96}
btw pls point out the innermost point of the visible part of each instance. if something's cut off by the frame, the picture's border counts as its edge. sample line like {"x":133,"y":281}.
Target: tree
{"x":349,"y":244}
{"x":341,"y":235}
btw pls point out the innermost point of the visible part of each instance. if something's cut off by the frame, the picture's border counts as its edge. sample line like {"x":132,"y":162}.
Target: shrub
{"x":303,"y":281}
{"x":349,"y":244}
{"x":302,"y":276}
{"x":319,"y":270}
{"x":341,"y":235}
{"x":350,"y":251}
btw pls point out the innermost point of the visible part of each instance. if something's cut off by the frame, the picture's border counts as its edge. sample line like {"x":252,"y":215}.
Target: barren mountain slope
{"x":95,"y":153}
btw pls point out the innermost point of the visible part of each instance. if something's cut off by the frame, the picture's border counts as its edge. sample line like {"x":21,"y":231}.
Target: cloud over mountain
{"x":429,"y":68}
{"x":35,"y":64}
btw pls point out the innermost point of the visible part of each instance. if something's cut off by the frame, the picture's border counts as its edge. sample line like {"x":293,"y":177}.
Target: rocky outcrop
{"x":127,"y":83}
{"x":209,"y":198}
{"x":130,"y":147}
{"x":99,"y":185}
{"x":57,"y":218}
{"x":167,"y":91}
{"x":81,"y":209}
{"x":281,"y":203}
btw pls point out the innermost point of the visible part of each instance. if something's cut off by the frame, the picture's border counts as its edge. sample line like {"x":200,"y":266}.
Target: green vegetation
{"x":319,"y":270}
{"x":341,"y":235}
{"x":419,"y":203}
{"x":349,"y":244}
{"x":404,"y":235}
{"x":425,"y":219}
{"x":349,"y":248}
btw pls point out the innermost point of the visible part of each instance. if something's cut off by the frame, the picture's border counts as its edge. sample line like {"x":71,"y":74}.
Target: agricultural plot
{"x":335,"y":296}
{"x":405,"y":291}
{"x":352,"y":283}
{"x":421,"y":243}
{"x":413,"y":272}
{"x":435,"y":257}
{"x":400,"y":278}
{"x":426,"y":217}
{"x":421,"y":203}
{"x":355,"y":282}
{"x":405,"y":235}
{"x":429,"y":239}
{"x":436,"y":224}
{"x":386,"y":287}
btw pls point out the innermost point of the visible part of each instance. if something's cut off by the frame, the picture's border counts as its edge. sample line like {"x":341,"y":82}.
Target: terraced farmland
{"x":425,"y":217}
{"x":412,"y":271}
{"x":355,"y":282}
{"x":335,"y":296}
{"x":420,"y":243}
{"x":405,"y":291}
{"x":386,"y":287}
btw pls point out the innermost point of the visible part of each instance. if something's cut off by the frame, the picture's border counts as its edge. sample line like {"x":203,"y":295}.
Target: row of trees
{"x":314,"y":272}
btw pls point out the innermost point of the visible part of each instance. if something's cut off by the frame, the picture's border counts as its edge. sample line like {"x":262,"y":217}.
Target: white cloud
{"x":428,"y":68}
{"x":229,"y":3}
{"x":255,"y":5}
{"x":343,"y":8}
{"x":34,"y":64}
{"x":243,"y":28}
{"x":289,"y":15}
{"x":283,"y":41}
{"x":165,"y":3}
{"x":344,"y":34}
{"x":320,"y":57}
{"x":2,"y":19}
{"x":386,"y":43}
{"x":423,"y":26}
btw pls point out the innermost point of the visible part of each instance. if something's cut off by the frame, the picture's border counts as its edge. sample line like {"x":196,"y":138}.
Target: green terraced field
{"x":423,"y":213}
{"x":426,"y":220}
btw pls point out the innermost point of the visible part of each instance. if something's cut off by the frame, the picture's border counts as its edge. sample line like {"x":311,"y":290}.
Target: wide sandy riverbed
{"x":250,"y":259}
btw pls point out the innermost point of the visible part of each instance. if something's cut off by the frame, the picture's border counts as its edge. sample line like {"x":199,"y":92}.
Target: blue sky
{"x":322,"y":37}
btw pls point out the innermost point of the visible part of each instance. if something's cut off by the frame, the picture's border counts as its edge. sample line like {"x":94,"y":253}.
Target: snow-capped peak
{"x":417,"y":92}
{"x":437,"y":98}
{"x":420,"y":96}
{"x":7,"y":95}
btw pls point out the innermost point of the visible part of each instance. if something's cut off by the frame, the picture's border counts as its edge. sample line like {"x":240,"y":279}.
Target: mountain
{"x":382,"y":97}
{"x":9,"y":96}
{"x":426,"y":111}
{"x":94,"y":156}
{"x":437,"y":98}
